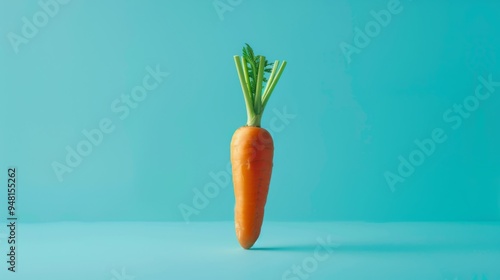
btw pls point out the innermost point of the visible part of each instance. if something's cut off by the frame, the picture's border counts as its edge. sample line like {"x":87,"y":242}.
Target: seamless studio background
{"x":366,"y":82}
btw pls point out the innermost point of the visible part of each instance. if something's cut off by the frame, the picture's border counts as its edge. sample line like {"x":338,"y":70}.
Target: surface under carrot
{"x":252,"y":147}
{"x":252,"y":151}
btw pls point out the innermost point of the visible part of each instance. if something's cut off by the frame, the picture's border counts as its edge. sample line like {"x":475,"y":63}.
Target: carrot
{"x":252,"y":147}
{"x":252,"y":163}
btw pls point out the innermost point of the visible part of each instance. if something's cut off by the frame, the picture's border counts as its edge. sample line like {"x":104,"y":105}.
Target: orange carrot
{"x":252,"y":162}
{"x":252,"y":147}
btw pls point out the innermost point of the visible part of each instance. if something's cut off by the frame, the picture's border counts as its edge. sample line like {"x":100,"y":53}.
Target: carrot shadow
{"x":295,"y":248}
{"x":365,"y":247}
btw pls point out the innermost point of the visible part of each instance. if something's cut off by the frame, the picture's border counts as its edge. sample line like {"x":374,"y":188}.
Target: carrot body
{"x":252,"y":152}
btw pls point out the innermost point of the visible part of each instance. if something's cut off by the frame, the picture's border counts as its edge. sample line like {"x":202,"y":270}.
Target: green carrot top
{"x":251,"y":69}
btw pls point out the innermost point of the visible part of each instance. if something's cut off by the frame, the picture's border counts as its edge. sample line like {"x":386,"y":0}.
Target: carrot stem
{"x":251,"y":81}
{"x":245,"y":72}
{"x":273,"y":83}
{"x":258,"y":92}
{"x":271,"y":78}
{"x":246,"y":92}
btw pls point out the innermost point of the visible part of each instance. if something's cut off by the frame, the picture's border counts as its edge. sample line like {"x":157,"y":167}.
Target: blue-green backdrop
{"x":364,"y":81}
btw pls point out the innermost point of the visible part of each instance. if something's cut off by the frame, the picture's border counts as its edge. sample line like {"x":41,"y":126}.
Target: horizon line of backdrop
{"x":124,"y":110}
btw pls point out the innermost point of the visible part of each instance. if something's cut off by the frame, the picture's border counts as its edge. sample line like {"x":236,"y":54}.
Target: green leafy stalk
{"x":245,"y":73}
{"x":258,"y":91}
{"x":273,"y":83}
{"x":251,"y":72}
{"x":266,"y":89}
{"x":246,"y":93}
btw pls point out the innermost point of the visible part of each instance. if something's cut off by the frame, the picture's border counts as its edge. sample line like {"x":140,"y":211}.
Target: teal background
{"x":351,"y":120}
